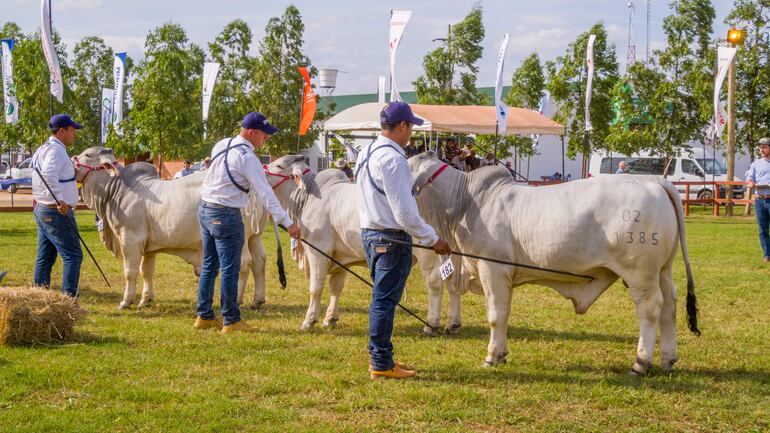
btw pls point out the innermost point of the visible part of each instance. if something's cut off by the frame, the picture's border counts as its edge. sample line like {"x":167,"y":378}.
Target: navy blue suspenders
{"x":365,"y":163}
{"x":227,"y":166}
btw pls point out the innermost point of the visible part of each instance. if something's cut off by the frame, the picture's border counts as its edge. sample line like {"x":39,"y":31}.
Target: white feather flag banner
{"x":398,"y":20}
{"x":590,"y":81}
{"x":46,"y":38}
{"x":501,"y":108}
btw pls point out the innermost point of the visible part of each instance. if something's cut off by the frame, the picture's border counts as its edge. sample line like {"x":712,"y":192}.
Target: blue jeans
{"x":55,"y":235}
{"x":762,"y":209}
{"x":390,"y":265}
{"x":222,"y":236}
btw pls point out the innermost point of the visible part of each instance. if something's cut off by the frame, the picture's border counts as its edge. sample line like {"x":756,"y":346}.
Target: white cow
{"x":143,"y":215}
{"x":608,"y":228}
{"x":326,"y":208}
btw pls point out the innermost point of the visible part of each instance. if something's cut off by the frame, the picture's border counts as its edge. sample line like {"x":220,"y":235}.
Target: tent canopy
{"x":463,"y":119}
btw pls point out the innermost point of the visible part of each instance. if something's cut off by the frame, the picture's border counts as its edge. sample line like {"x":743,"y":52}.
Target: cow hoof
{"x":307,"y":326}
{"x":453,"y":329}
{"x":144,"y":303}
{"x":125,"y":305}
{"x":331,"y":323}
{"x":488,"y":364}
{"x":667,"y":365}
{"x":493,"y":362}
{"x":639,"y":368}
{"x":431,"y":332}
{"x":256,"y":305}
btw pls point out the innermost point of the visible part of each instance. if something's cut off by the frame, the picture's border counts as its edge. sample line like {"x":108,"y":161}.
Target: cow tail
{"x":279,"y":257}
{"x":692,"y":303}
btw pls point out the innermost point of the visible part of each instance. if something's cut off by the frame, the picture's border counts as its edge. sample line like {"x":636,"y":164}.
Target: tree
{"x":450,"y":70}
{"x":230,"y":101}
{"x":9,"y":134}
{"x":752,"y":102}
{"x":92,"y":71}
{"x":32,"y":87}
{"x":687,"y":63}
{"x":527,"y":90}
{"x":641,"y":112}
{"x":278,"y":93}
{"x":166,"y":114}
{"x":567,"y":78}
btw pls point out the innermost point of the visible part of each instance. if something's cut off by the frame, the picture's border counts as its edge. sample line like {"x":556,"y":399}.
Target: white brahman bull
{"x":326,"y":208}
{"x":608,"y":228}
{"x":142,"y":215}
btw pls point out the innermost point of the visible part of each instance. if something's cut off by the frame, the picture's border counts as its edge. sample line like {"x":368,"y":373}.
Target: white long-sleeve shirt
{"x":247,"y":171}
{"x":53,"y":162}
{"x":396,"y":209}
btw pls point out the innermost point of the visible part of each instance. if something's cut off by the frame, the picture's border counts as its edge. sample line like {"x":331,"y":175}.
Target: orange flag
{"x":308,"y":103}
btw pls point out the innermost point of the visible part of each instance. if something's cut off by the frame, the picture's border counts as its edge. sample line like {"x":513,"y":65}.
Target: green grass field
{"x":150,"y":371}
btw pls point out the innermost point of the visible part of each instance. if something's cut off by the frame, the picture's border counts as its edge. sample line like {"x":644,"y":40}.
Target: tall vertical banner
{"x":210,"y":72}
{"x":398,"y":20}
{"x":501,"y":108}
{"x":381,"y":90}
{"x":725,"y":56}
{"x":590,"y":81}
{"x":11,"y":105}
{"x":119,"y":75}
{"x":308,"y":102}
{"x":46,"y":37}
{"x":107,"y":98}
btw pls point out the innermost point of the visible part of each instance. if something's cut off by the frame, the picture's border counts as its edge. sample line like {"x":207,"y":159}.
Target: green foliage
{"x":32,"y":89}
{"x":231,"y":98}
{"x":279,"y":93}
{"x":688,"y":65}
{"x":92,"y":71}
{"x":450,"y":70}
{"x":527,"y":90}
{"x":567,"y":77}
{"x":752,"y":102}
{"x":167,"y":99}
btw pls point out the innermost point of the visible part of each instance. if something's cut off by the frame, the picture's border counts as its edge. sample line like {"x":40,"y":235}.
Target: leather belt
{"x":762,"y":196}
{"x":207,"y":204}
{"x":385,"y":230}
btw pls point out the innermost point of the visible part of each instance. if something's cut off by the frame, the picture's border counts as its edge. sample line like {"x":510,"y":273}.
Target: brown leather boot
{"x":201,"y":323}
{"x":394,"y":373}
{"x":238,"y":326}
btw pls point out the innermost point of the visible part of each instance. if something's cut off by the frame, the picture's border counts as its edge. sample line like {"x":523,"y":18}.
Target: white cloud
{"x":61,"y":5}
{"x":133,"y":45}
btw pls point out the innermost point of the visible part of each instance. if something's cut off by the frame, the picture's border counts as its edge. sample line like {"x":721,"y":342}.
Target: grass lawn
{"x":149,"y":370}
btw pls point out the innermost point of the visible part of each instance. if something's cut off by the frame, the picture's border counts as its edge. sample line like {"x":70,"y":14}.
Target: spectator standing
{"x":489,"y":159}
{"x":186,"y":171}
{"x":759,"y":179}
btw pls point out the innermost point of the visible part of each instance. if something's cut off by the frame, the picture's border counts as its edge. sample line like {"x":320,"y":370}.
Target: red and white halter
{"x":78,"y":164}
{"x":284,"y":177}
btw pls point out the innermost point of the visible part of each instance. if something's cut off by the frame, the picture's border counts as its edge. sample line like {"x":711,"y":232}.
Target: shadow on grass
{"x":79,"y":338}
{"x":680,"y":381}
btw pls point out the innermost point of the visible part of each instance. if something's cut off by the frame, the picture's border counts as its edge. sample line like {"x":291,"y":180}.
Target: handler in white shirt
{"x":54,"y":233}
{"x":233,"y":171}
{"x":389,"y":211}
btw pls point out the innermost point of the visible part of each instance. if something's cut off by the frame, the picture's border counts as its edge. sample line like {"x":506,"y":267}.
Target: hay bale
{"x":30,"y":315}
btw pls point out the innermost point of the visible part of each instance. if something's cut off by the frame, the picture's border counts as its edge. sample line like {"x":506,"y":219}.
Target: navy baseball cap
{"x":397,"y":111}
{"x":62,"y":121}
{"x":257,"y":120}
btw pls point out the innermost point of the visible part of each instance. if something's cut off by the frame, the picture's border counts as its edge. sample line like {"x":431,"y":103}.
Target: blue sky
{"x":352,"y":35}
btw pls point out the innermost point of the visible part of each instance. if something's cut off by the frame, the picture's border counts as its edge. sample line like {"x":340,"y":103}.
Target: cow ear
{"x":296,"y":172}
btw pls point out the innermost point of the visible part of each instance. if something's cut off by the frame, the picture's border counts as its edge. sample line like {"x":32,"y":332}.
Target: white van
{"x":683,"y":168}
